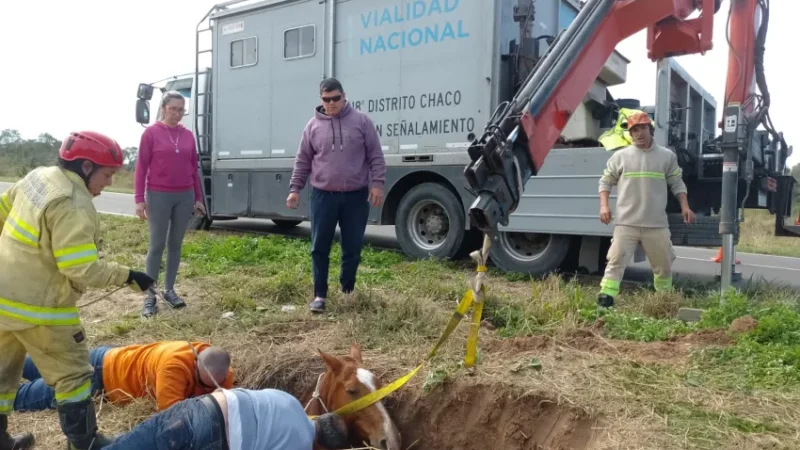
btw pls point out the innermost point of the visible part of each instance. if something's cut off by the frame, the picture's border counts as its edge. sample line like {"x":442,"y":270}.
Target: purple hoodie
{"x":341,"y":153}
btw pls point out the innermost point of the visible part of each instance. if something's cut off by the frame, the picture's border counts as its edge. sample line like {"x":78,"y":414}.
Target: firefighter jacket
{"x":49,"y":250}
{"x":619,"y":136}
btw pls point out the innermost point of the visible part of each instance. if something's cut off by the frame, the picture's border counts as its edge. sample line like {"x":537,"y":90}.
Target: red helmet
{"x":95,"y":147}
{"x":639,"y":118}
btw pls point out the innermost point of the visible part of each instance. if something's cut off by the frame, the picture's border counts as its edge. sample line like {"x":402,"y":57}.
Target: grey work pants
{"x":168,"y":214}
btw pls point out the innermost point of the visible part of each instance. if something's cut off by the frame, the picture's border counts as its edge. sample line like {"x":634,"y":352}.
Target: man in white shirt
{"x":236,"y":419}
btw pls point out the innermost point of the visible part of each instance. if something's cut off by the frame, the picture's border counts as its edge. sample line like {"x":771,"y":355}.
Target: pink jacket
{"x":163,"y":165}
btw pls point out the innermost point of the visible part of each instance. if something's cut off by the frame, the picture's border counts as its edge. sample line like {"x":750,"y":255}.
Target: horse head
{"x":345,"y":381}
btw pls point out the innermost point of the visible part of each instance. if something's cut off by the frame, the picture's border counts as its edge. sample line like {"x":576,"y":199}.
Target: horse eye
{"x":351,"y":390}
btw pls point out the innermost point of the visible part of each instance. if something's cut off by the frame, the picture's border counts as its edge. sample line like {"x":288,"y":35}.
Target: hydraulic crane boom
{"x":522,"y":131}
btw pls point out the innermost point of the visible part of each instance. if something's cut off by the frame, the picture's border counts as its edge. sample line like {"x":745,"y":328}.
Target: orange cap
{"x":638,"y":118}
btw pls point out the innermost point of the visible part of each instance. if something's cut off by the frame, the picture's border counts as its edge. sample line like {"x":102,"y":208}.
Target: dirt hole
{"x":462,"y":416}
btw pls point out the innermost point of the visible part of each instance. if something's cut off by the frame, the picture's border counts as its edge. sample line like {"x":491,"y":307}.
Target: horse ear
{"x":355,"y":353}
{"x":332,"y":362}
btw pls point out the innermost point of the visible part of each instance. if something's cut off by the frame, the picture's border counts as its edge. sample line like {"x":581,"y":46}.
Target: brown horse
{"x":344,"y":381}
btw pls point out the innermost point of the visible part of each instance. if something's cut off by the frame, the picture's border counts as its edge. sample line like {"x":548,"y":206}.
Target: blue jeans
{"x":36,"y":395}
{"x":192,"y":424}
{"x":350,"y":210}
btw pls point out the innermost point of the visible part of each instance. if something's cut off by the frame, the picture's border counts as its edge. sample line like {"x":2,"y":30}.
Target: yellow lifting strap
{"x":476,"y":295}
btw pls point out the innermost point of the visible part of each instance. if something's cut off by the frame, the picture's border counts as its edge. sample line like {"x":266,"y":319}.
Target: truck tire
{"x":286,"y":224}
{"x":430,"y":222}
{"x":532,"y":253}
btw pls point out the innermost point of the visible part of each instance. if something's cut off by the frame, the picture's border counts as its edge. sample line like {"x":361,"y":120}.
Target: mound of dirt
{"x":743,"y":325}
{"x":479,"y":416}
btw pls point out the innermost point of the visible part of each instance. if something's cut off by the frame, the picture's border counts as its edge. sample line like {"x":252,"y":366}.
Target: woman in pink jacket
{"x":167,"y":193}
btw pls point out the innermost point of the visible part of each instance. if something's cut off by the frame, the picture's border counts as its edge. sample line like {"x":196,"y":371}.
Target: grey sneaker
{"x":173,"y":299}
{"x":318,"y":305}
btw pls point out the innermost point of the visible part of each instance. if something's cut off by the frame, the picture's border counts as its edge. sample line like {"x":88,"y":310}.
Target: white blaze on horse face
{"x":367,"y":378}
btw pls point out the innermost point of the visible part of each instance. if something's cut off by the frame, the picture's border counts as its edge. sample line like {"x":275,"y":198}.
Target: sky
{"x":78,"y":65}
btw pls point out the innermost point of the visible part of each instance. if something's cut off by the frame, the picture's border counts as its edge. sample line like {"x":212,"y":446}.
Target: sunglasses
{"x":333,"y":99}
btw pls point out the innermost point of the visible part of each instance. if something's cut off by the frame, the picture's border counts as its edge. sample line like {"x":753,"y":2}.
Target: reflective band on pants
{"x":76,"y":395}
{"x":7,"y":402}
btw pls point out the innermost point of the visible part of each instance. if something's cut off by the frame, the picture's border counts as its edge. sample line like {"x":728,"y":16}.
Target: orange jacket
{"x":164,"y":370}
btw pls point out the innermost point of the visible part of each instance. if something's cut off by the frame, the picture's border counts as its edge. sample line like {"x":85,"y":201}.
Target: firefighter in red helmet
{"x":48,"y":257}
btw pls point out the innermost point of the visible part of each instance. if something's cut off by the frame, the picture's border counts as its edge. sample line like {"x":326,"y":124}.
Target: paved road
{"x":693,"y":264}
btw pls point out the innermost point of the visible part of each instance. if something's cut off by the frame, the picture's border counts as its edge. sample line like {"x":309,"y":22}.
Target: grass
{"x":123,"y":182}
{"x":652,"y":381}
{"x":758,"y":236}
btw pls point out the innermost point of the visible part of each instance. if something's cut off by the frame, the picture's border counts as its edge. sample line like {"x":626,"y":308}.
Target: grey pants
{"x":168,"y":214}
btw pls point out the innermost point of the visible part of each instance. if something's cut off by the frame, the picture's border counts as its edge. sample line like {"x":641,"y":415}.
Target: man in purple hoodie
{"x":341,"y":151}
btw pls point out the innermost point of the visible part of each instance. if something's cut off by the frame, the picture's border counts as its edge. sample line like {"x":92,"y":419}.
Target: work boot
{"x":79,"y":424}
{"x":17,"y":442}
{"x":149,"y":309}
{"x":605,"y":301}
{"x":173,"y":299}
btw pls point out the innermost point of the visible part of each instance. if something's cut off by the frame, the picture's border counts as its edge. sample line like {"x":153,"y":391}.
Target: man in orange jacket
{"x":168,"y":371}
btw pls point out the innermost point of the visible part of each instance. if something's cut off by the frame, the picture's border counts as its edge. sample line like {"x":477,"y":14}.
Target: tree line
{"x":19,"y":156}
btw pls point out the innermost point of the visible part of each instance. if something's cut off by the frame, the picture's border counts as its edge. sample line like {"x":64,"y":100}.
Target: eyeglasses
{"x":333,"y":99}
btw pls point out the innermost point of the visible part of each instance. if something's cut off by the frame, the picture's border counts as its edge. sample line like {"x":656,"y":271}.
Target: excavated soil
{"x":485,"y":417}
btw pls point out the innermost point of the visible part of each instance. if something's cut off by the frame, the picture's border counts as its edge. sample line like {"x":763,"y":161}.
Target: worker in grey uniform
{"x":642,"y":172}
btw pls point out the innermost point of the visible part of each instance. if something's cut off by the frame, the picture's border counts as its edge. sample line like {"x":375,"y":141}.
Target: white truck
{"x":431,"y":74}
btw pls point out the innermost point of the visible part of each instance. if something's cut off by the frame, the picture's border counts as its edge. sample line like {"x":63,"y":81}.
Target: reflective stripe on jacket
{"x":49,"y":249}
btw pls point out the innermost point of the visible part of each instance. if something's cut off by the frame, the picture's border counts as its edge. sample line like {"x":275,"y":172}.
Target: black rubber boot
{"x":605,"y":301}
{"x":149,"y":309}
{"x":18,"y":442}
{"x":79,"y":424}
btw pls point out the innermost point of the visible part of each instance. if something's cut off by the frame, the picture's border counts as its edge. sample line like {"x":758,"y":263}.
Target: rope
{"x":102,"y":297}
{"x":315,"y":395}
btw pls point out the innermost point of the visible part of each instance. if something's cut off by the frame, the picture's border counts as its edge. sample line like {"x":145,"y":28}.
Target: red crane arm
{"x":741,"y":84}
{"x":515,"y":145}
{"x":669,"y":34}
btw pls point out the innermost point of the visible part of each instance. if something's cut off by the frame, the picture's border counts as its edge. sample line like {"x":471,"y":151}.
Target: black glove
{"x":142,"y":280}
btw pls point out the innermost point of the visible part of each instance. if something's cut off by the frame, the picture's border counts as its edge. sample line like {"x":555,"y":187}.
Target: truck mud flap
{"x":786,"y":208}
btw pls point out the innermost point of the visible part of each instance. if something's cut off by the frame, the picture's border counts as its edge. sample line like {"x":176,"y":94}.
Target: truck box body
{"x":429,"y":73}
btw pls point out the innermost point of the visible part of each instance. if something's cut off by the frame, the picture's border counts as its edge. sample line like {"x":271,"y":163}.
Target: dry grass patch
{"x":758,"y":236}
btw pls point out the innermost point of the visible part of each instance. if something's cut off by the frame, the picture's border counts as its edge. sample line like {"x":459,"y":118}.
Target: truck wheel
{"x":286,"y":223}
{"x":199,"y":223}
{"x":532,"y":253}
{"x":430,"y":222}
